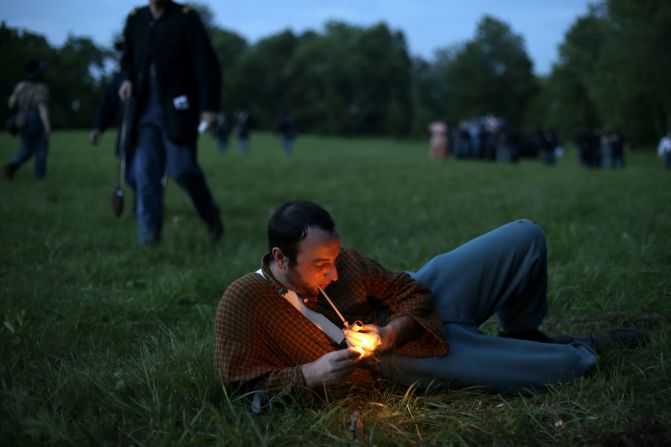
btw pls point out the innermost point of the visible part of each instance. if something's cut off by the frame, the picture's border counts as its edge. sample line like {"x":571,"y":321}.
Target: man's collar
{"x":265,"y":268}
{"x":281,"y":289}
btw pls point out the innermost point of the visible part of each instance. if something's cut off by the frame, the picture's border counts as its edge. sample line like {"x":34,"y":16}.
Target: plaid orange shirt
{"x":261,"y":340}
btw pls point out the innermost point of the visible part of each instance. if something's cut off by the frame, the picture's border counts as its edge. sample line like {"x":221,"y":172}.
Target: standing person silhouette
{"x":287,"y":129}
{"x":438,"y":144}
{"x":243,"y":124}
{"x":664,"y":150}
{"x":171,"y":71}
{"x":30,"y":98}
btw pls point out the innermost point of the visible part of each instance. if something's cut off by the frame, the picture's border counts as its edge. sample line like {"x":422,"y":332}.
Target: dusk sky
{"x":427,"y":24}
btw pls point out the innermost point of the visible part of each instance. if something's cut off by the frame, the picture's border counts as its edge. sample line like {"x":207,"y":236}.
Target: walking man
{"x":171,"y":72}
{"x":30,"y":100}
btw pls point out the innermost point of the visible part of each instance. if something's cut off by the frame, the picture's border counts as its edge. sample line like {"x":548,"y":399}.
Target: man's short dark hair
{"x":290,"y":222}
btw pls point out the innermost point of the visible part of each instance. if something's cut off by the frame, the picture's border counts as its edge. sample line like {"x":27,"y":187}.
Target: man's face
{"x":315,"y":262}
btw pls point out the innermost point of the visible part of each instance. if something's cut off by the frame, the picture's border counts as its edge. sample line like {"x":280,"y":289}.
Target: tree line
{"x":612,"y":72}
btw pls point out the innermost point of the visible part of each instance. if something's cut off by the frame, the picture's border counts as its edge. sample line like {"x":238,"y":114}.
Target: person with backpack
{"x":30,"y":100}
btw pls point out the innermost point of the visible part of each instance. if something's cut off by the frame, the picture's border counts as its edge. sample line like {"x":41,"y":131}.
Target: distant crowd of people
{"x":601,"y":150}
{"x":491,"y":138}
{"x":241,"y":126}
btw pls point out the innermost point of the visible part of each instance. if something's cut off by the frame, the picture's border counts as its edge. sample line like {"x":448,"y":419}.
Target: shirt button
{"x":305,"y":300}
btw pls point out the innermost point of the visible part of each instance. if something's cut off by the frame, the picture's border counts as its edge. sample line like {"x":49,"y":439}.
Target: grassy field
{"x":106,"y":342}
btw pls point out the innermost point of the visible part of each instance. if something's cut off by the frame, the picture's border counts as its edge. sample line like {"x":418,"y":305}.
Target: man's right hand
{"x":330,"y":368}
{"x":126,"y":90}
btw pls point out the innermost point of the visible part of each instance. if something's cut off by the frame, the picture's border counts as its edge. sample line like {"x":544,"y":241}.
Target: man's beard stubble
{"x":298,"y":285}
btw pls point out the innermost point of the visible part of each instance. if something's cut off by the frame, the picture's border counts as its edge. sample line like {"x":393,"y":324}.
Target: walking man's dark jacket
{"x":187,"y":69}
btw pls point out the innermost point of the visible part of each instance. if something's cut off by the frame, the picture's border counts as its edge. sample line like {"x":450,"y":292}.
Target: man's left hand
{"x":374,"y":338}
{"x":365,"y":341}
{"x":210,"y":118}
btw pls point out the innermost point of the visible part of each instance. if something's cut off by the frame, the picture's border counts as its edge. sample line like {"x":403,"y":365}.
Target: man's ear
{"x":280,"y":259}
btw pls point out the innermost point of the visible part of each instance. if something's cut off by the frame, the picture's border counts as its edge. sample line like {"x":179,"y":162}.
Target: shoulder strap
{"x":319,"y":320}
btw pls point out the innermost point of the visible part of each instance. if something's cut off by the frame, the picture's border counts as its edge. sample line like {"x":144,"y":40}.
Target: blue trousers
{"x":38,"y":146}
{"x":153,"y":157}
{"x":287,"y":145}
{"x":502,"y":273}
{"x":243,"y":144}
{"x":222,"y":143}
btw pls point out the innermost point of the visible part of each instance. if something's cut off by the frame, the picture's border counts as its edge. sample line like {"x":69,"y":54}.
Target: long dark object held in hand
{"x":118,"y":194}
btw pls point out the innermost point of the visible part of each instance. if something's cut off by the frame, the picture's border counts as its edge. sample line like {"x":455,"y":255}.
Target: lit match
{"x":363,"y":342}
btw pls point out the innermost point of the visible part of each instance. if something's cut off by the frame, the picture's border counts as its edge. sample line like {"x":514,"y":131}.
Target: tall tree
{"x":490,"y":74}
{"x":321,"y":74}
{"x":73,"y":82}
{"x":230,"y":48}
{"x":265,"y":79}
{"x":613,"y":70}
{"x":632,"y":83}
{"x":427,"y":94}
{"x":569,"y":93}
{"x":347,"y":80}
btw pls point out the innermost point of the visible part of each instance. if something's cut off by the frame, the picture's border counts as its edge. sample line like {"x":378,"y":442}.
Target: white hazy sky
{"x":427,"y":24}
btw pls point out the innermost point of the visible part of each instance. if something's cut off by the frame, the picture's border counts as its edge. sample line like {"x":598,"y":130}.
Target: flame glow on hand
{"x":364,"y":343}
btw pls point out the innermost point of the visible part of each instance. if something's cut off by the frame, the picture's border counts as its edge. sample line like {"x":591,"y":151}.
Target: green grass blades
{"x":105,"y":342}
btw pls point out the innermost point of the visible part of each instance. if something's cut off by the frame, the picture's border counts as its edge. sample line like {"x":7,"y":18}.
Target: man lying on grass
{"x":288,"y":328}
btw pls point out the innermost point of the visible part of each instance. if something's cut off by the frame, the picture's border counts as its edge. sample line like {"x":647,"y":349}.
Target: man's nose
{"x":332,"y":273}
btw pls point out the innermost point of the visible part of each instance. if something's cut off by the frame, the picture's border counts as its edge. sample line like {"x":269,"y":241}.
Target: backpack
{"x":27,"y":118}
